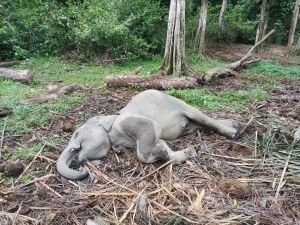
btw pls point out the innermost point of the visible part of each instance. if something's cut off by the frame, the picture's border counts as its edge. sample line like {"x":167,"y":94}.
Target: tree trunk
{"x":297,"y":47}
{"x":23,"y":76}
{"x":200,"y":36}
{"x":174,"y":57}
{"x":265,"y":27}
{"x":293,"y":26}
{"x":262,"y":21}
{"x":222,"y":13}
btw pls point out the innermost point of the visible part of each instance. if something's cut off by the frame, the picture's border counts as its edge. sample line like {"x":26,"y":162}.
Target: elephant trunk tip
{"x":63,"y":167}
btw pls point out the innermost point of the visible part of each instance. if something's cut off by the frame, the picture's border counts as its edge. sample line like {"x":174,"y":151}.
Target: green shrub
{"x":237,"y":27}
{"x":91,"y":28}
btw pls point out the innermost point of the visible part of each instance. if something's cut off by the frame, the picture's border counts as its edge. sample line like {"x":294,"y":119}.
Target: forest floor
{"x":234,"y":52}
{"x":238,"y":181}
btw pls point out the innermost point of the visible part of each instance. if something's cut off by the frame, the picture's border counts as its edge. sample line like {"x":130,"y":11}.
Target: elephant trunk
{"x":63,"y":166}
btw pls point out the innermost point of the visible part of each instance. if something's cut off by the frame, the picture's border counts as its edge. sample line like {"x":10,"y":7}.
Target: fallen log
{"x":23,"y":76}
{"x":52,"y":94}
{"x":232,"y":68}
{"x":12,"y":63}
{"x":162,"y":82}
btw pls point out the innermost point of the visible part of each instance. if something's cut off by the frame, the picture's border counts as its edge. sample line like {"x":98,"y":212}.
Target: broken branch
{"x":52,"y":94}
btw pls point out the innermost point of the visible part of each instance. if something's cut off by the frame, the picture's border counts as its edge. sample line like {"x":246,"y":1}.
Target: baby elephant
{"x":143,"y":124}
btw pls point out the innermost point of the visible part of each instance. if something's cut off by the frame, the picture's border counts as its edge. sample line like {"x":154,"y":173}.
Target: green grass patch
{"x":26,"y":177}
{"x":273,"y":69}
{"x":222,"y":101}
{"x":266,"y":84}
{"x":46,"y":69}
{"x":201,"y":65}
{"x":24,"y":117}
{"x":56,"y":141}
{"x":26,"y":153}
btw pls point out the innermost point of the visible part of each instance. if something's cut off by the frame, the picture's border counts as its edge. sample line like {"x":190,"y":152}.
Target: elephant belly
{"x":173,"y":127}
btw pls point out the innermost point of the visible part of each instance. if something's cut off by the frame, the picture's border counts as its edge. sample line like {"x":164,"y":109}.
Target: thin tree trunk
{"x":265,"y":27}
{"x":174,"y":57}
{"x":293,"y":26}
{"x":296,"y":49}
{"x":262,"y":21}
{"x":222,"y":13}
{"x":200,"y":36}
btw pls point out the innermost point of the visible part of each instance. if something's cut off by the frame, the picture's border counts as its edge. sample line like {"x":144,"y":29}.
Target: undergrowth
{"x":273,"y":69}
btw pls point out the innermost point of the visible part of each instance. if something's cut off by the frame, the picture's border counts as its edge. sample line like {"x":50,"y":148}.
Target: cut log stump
{"x":23,"y":76}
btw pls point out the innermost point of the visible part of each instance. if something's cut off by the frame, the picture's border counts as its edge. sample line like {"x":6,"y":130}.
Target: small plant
{"x":26,"y":177}
{"x":26,"y":153}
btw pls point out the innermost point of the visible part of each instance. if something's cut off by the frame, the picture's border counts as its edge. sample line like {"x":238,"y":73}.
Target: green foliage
{"x":90,"y":30}
{"x":9,"y":44}
{"x":93,"y":28}
{"x":238,"y":28}
{"x":279,"y":16}
{"x":273,"y":69}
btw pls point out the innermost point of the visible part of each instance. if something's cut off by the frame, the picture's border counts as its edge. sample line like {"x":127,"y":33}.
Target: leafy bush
{"x":8,"y":41}
{"x":237,"y":28}
{"x":117,"y":28}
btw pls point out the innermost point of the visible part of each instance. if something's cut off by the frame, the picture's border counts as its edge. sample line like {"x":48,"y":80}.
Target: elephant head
{"x":90,"y":141}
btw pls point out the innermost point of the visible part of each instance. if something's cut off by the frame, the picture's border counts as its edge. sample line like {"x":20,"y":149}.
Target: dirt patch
{"x":224,"y":184}
{"x":233,"y":52}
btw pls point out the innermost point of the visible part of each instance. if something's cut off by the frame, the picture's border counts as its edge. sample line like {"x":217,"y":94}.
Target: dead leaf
{"x":234,"y":187}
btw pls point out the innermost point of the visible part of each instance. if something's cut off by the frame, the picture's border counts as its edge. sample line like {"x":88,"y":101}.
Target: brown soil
{"x":233,"y":52}
{"x":223,"y":184}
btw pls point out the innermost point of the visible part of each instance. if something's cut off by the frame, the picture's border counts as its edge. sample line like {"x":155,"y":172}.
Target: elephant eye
{"x":75,"y":149}
{"x":72,"y":149}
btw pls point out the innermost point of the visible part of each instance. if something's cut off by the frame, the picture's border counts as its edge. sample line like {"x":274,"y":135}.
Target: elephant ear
{"x":106,"y":121}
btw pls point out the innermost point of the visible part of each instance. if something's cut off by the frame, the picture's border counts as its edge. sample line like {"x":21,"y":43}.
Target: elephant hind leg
{"x":224,"y":127}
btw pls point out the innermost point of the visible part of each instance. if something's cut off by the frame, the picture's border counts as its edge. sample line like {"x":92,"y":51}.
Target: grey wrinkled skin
{"x":143,"y":124}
